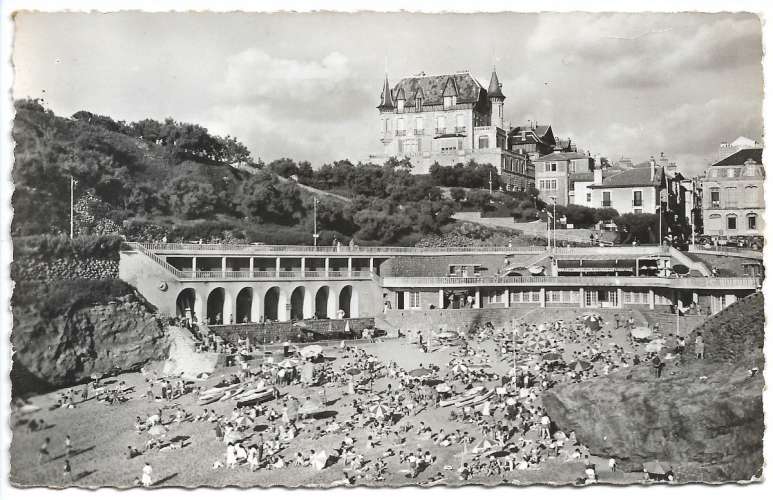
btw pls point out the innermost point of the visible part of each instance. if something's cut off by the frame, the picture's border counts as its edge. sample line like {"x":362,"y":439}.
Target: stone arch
{"x":321,"y":301}
{"x":348,"y":301}
{"x":273,"y":304}
{"x":244,"y":306}
{"x":186,"y":302}
{"x":298,"y":306}
{"x":216,"y":305}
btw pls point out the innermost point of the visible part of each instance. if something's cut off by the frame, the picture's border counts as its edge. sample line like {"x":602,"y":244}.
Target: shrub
{"x":46,"y":246}
{"x":54,"y":299}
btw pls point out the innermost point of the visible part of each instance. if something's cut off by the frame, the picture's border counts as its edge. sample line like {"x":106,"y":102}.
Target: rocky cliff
{"x":704,"y":418}
{"x":67,"y":348}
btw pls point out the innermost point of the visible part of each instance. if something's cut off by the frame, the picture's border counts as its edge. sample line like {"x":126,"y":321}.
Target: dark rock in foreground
{"x":707,"y":429}
{"x":69,"y":348}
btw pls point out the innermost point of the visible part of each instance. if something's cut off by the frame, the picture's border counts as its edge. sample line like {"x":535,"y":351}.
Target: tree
{"x":479,"y":198}
{"x":191,"y":198}
{"x":458,"y":194}
{"x":642,"y":228}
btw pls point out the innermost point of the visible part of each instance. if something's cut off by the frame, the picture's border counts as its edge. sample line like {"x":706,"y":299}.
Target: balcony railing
{"x":440,"y":131}
{"x":598,"y":281}
{"x":325,"y":251}
{"x":460,"y":130}
{"x":400,"y":133}
{"x":272,"y":275}
{"x":418,"y":131}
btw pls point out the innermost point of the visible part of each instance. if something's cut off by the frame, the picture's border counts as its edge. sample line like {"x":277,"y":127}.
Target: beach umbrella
{"x":443,"y":388}
{"x":233,"y":436}
{"x":641,"y":332}
{"x":380,"y":410}
{"x":28,"y":408}
{"x":483,"y":446}
{"x":320,"y":460}
{"x":157,"y":430}
{"x":287,"y":363}
{"x":581,"y":366}
{"x":681,"y":269}
{"x":311,"y":351}
{"x":420,"y":372}
{"x":310,"y":407}
{"x":655,"y":467}
{"x":552,"y":356}
{"x":353,"y":371}
{"x":654,"y":346}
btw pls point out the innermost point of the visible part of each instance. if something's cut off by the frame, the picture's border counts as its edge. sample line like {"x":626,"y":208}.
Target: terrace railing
{"x":599,"y":281}
{"x":300,"y":250}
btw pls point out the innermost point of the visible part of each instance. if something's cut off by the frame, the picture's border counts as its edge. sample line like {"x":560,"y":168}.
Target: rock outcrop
{"x":67,"y":349}
{"x":703,"y":417}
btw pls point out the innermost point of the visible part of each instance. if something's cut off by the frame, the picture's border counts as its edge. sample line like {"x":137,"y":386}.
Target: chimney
{"x":598,"y":176}
{"x":652,"y":169}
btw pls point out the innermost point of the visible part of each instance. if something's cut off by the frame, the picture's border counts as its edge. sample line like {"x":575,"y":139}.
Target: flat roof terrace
{"x":191,"y":249}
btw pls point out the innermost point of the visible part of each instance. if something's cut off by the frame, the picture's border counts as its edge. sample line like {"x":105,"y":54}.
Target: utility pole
{"x":72,"y":207}
{"x":316,"y":235}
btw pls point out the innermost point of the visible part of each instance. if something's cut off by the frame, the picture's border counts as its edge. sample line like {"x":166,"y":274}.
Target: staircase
{"x":161,"y":262}
{"x":667,"y":322}
{"x":685,"y":259}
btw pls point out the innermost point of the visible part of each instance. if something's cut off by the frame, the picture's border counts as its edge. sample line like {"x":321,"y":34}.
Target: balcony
{"x":440,"y":131}
{"x":418,"y":131}
{"x":460,"y":130}
{"x":400,"y":133}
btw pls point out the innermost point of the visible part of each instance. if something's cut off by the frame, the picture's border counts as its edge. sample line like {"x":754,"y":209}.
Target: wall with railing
{"x":598,"y":281}
{"x":309,"y":330}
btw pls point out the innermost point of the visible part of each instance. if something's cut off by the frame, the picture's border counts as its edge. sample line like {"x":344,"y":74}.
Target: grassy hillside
{"x":147,"y":180}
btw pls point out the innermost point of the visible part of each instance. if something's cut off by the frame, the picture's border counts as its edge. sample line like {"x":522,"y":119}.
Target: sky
{"x":306,"y":86}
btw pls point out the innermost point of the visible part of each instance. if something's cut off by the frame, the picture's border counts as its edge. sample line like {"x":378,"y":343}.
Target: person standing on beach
{"x":43,"y":451}
{"x":67,"y":446}
{"x":147,"y":471}
{"x":67,"y":472}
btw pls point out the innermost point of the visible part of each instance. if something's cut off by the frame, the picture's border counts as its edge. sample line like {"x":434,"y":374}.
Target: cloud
{"x":649,"y":50}
{"x":312,"y":88}
{"x":315,"y":109}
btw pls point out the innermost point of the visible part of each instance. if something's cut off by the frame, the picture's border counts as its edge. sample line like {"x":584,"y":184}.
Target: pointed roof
{"x":740,"y":157}
{"x":634,"y":177}
{"x":386,"y":96}
{"x":432,"y":88}
{"x":450,"y":89}
{"x":494,"y":87}
{"x":400,"y":94}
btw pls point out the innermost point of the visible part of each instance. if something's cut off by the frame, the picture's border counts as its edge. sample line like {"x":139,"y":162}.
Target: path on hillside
{"x":535,"y":228}
{"x":318,"y":192}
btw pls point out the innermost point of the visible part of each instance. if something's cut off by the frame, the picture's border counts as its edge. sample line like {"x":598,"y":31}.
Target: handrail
{"x":176,"y":272}
{"x":331,"y":251}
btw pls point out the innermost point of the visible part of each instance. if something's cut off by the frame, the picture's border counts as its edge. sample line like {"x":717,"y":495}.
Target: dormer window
{"x":400,"y":105}
{"x":448,"y":101}
{"x":418,"y":103}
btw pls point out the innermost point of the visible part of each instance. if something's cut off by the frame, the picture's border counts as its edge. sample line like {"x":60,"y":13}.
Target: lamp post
{"x":316,"y":235}
{"x":554,"y":221}
{"x":549,"y":217}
